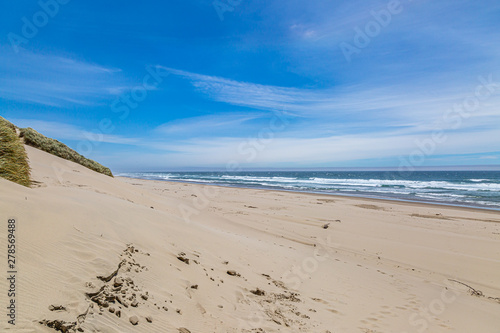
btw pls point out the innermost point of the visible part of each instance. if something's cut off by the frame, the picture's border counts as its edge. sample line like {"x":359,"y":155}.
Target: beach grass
{"x":54,"y":147}
{"x":14,"y":164}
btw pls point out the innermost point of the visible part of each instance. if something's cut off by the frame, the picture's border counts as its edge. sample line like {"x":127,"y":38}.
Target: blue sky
{"x":154,"y":86}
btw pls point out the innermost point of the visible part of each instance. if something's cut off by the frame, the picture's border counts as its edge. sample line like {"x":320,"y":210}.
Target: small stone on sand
{"x":232,"y":273}
{"x":57,"y":308}
{"x":118,"y":281}
{"x":134,"y":320}
{"x":258,"y":292}
{"x":183,"y":259}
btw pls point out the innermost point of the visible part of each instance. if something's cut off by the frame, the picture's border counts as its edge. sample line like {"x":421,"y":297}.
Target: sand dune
{"x":124,"y":255}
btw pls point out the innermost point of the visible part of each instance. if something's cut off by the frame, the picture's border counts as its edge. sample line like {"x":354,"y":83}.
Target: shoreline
{"x":353,"y":196}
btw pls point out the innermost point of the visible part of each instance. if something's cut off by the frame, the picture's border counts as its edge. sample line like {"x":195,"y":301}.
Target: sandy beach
{"x":106,"y":254}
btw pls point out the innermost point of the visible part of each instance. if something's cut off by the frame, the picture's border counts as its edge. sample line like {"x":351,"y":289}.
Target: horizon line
{"x":397,"y":169}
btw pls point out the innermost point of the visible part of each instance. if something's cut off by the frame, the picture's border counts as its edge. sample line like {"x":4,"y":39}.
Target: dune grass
{"x":14,"y":164}
{"x":54,"y":147}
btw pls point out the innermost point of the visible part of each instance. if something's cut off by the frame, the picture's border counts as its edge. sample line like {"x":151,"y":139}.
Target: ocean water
{"x":461,"y":188}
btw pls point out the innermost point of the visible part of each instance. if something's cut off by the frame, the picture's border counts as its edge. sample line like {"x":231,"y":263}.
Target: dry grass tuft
{"x":14,"y":164}
{"x":54,"y":147}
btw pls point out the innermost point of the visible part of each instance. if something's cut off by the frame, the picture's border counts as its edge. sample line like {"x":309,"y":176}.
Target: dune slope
{"x":211,"y":259}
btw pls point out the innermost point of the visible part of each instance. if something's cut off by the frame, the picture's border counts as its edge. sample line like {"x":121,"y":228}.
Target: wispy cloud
{"x":55,"y":80}
{"x":208,"y":124}
{"x":329,"y":125}
{"x":403,"y":105}
{"x":490,"y":157}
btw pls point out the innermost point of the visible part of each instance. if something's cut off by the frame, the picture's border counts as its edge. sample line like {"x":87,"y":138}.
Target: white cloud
{"x":331,"y":150}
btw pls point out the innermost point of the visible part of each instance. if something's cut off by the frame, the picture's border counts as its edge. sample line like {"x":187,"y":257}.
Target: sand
{"x":176,"y":257}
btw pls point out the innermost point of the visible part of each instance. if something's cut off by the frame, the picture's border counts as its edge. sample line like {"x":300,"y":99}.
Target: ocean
{"x":460,"y":188}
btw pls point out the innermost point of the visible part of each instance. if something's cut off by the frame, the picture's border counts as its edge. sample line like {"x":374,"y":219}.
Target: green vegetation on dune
{"x":8,"y":124}
{"x":14,"y":164}
{"x":54,"y":147}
